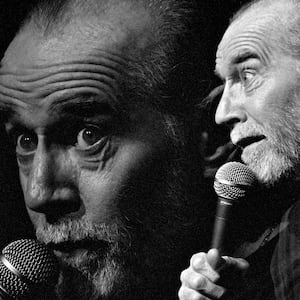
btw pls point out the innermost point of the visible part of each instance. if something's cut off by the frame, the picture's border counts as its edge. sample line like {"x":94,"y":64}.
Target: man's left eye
{"x":247,"y":75}
{"x":88,"y":136}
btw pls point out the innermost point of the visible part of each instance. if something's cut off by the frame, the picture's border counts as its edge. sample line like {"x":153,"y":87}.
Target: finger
{"x":209,"y":173}
{"x":238,"y":263}
{"x":204,"y":142}
{"x":186,"y":293}
{"x":199,"y":264}
{"x":202,"y":284}
{"x":201,"y":287}
{"x":220,"y":153}
{"x":214,"y":258}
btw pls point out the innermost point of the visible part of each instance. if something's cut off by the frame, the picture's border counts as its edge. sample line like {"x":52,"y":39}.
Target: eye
{"x":88,"y":136}
{"x":26,"y":143}
{"x":247,"y":75}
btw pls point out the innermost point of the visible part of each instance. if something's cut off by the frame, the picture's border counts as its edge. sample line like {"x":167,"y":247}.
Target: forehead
{"x":253,"y":35}
{"x":120,"y":30}
{"x":88,"y":56}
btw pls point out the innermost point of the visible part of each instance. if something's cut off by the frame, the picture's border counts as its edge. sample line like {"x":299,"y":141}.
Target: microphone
{"x":27,"y":269}
{"x":233,"y":181}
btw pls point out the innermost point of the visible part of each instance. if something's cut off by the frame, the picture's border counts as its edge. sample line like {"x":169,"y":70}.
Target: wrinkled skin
{"x":260,"y":104}
{"x":99,"y":181}
{"x":260,"y":99}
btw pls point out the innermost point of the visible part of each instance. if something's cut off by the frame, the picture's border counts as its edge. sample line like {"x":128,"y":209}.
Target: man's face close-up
{"x":81,"y":149}
{"x":261,"y":97}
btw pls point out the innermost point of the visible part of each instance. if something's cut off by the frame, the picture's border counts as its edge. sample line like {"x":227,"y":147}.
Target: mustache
{"x":74,"y":230}
{"x":243,"y":130}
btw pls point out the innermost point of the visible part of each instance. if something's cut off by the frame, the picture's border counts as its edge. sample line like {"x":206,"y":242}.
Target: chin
{"x":91,"y":272}
{"x":269,"y":166}
{"x":88,"y":277}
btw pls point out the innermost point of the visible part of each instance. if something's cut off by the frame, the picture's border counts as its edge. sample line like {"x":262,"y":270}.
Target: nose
{"x":50,"y":185}
{"x":230,"y":109}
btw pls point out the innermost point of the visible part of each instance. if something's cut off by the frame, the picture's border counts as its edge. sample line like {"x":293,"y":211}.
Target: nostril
{"x":63,"y":202}
{"x":230,"y":122}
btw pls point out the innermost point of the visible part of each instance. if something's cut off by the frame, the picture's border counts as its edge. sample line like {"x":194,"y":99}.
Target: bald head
{"x":113,"y":20}
{"x":142,"y":24}
{"x":121,"y":29}
{"x":149,"y":36}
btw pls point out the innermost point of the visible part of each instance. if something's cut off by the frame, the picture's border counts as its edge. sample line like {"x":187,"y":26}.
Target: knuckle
{"x":195,"y":296}
{"x":181,"y":293}
{"x":184,"y":275}
{"x":185,"y":293}
{"x":198,"y":259}
{"x":188,"y":294}
{"x":199,"y":282}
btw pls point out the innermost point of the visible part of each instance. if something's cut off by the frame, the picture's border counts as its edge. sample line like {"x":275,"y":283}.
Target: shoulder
{"x":291,"y":221}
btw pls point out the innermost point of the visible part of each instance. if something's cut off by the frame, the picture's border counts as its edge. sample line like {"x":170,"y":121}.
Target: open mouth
{"x":87,"y":244}
{"x":244,"y":142}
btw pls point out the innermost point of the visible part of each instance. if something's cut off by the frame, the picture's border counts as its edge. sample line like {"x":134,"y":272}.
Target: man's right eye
{"x":26,"y":143}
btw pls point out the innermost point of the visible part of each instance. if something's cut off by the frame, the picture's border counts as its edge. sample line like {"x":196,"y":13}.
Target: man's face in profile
{"x":88,"y":158}
{"x":261,"y":96}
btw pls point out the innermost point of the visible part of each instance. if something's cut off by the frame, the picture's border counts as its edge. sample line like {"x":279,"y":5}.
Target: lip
{"x":249,"y":140}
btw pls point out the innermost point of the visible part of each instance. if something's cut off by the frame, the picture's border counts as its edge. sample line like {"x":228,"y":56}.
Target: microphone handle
{"x":222,"y":215}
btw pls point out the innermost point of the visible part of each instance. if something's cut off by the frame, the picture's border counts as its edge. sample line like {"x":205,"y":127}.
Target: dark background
{"x":14,"y":223}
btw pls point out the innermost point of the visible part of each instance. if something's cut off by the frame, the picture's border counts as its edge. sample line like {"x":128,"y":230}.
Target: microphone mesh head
{"x":36,"y":264}
{"x":233,"y":180}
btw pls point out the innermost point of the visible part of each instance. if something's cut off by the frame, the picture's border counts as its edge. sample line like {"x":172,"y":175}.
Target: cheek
{"x":270,"y":101}
{"x":98,"y":194}
{"x":102,"y":189}
{"x":38,"y":219}
{"x":23,"y":181}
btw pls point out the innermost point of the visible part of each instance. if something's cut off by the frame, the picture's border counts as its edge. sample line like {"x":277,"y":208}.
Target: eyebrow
{"x":6,"y":112}
{"x":217,"y":73}
{"x":238,"y":59}
{"x":84,"y":106}
{"x":243,"y":56}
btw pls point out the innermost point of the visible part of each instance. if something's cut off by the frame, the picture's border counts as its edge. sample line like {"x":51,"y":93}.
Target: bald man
{"x":259,"y":60}
{"x":96,"y":97}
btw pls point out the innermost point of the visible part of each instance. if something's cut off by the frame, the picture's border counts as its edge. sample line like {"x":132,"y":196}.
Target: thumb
{"x":214,"y":258}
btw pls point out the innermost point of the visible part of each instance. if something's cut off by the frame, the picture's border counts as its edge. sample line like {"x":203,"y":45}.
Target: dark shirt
{"x":274,"y":272}
{"x":285,"y":265}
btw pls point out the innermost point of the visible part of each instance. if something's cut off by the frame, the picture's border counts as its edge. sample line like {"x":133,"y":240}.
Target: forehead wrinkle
{"x":10,"y":106}
{"x":248,"y":41}
{"x":238,"y":51}
{"x":259,"y":25}
{"x":111,"y":61}
{"x":48,"y":81}
{"x":83,"y":101}
{"x":63,"y":89}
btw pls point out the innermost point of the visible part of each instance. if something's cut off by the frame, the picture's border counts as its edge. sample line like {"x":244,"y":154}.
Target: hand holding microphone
{"x":233,"y":181}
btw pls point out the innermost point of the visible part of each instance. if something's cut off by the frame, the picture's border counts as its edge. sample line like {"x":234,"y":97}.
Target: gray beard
{"x":136,"y":265}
